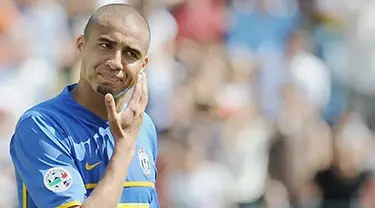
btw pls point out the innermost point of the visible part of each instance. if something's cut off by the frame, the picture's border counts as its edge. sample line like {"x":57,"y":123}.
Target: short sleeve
{"x":155,"y":200}
{"x":152,"y":135}
{"x":41,"y":156}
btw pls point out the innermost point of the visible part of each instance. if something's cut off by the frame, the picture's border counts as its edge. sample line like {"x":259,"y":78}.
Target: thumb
{"x":111,"y":106}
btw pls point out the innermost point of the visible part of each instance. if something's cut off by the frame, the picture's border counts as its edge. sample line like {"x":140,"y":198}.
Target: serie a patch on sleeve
{"x":57,"y":179}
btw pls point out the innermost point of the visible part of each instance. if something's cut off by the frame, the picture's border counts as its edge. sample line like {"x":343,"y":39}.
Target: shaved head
{"x":110,"y":13}
{"x":113,"y":49}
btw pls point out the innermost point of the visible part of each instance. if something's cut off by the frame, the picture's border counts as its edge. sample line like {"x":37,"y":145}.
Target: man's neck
{"x":88,"y":98}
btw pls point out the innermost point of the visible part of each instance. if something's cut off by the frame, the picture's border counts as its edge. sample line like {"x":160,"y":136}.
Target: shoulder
{"x":40,"y":121}
{"x":147,"y":119}
{"x":148,"y":123}
{"x":38,"y":133}
{"x":50,"y":109}
{"x":45,"y":108}
{"x":44,"y":111}
{"x":149,"y":128}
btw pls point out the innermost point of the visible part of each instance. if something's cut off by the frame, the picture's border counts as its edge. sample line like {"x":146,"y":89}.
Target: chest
{"x":92,"y":150}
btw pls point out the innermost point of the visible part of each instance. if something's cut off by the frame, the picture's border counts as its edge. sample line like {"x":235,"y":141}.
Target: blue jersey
{"x":60,"y":151}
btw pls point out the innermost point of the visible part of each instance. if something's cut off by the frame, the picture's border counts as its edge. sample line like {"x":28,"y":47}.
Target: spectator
{"x":344,"y":183}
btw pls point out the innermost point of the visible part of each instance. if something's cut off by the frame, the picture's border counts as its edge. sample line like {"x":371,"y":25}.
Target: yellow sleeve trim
{"x":70,"y":204}
{"x":127,"y":184}
{"x":133,"y":205}
{"x":139,"y":184}
{"x":24,"y":196}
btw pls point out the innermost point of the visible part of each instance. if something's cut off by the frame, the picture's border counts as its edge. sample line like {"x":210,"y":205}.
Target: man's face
{"x":112,"y":55}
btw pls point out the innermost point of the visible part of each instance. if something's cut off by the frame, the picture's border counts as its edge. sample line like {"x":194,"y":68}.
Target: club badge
{"x":144,"y":161}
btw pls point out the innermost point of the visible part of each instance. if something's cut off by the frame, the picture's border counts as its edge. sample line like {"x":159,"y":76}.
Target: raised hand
{"x":125,"y":125}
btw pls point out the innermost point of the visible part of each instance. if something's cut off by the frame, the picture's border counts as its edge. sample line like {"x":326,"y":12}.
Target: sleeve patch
{"x":57,"y":179}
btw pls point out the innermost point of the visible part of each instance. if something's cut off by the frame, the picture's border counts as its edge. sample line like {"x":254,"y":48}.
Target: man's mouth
{"x":126,"y":79}
{"x":109,"y":77}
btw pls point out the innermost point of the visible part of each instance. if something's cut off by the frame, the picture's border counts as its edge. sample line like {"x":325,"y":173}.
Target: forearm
{"x":108,"y":191}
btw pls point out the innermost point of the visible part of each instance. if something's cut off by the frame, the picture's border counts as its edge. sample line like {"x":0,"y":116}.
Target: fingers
{"x":132,"y":117}
{"x":138,"y":88}
{"x":114,"y":124}
{"x":111,"y":107}
{"x":138,"y":101}
{"x":136,"y":96}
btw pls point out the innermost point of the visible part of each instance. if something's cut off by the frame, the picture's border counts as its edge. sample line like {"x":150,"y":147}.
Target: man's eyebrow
{"x":135,"y":49}
{"x":106,"y":40}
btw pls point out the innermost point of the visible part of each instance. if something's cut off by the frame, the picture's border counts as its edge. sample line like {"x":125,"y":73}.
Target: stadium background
{"x":247,"y":95}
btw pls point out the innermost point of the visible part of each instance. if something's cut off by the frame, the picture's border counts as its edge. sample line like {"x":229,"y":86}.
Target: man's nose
{"x":115,"y":62}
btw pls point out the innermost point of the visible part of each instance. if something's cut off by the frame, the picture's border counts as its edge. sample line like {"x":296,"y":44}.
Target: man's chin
{"x":121,"y":94}
{"x":103,"y":90}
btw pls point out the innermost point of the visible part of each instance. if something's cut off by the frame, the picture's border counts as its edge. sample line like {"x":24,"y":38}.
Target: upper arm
{"x":154,"y":146}
{"x":42,"y":159}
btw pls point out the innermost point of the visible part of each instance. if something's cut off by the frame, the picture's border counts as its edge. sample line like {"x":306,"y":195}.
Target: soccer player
{"x":90,"y":146}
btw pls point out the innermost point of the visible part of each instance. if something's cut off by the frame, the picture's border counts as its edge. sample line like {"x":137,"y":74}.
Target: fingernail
{"x":108,"y":97}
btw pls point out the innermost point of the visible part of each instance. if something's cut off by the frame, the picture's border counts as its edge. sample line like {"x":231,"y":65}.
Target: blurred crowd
{"x":252,"y":99}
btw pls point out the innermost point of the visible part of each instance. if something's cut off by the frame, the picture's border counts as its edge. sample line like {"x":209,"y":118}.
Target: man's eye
{"x":105,"y":45}
{"x":132,"y":54}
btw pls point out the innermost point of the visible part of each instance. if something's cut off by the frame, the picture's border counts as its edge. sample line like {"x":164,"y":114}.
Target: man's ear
{"x":144,"y":64}
{"x":80,"y":43}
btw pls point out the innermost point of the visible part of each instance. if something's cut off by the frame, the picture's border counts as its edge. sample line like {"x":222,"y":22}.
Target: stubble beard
{"x":103,"y":90}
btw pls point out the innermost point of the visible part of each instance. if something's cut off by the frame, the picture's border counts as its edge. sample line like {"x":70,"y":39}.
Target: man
{"x":83,"y":148}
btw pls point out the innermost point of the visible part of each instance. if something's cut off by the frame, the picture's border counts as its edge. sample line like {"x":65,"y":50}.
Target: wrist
{"x":122,"y":147}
